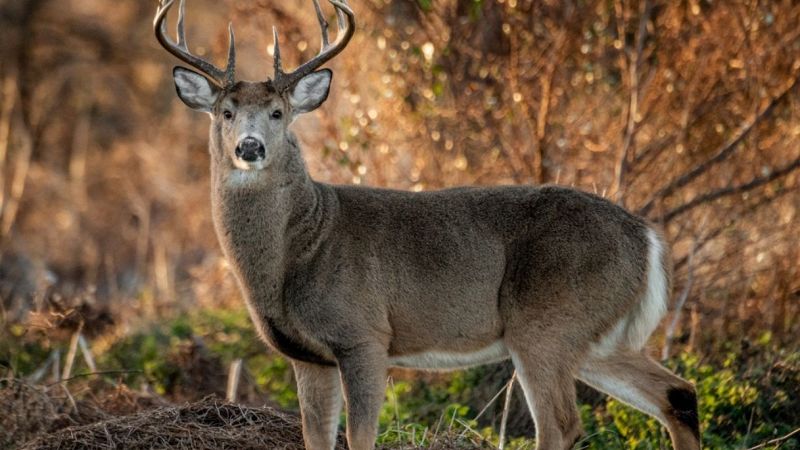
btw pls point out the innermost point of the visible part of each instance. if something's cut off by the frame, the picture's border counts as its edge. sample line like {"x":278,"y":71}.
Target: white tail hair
{"x":644,"y":320}
{"x":634,"y":329}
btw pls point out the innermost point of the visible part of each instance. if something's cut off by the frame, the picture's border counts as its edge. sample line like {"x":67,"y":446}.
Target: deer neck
{"x":268,"y":222}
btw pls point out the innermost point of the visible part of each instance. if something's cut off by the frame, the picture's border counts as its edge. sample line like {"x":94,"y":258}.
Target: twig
{"x":506,"y":408}
{"x":234,"y":374}
{"x":396,"y":408}
{"x":722,"y":153}
{"x":732,"y":190}
{"x":78,"y":158}
{"x":776,"y":440}
{"x":713,"y":234}
{"x":438,"y":427}
{"x":452,"y":420}
{"x":468,"y":428}
{"x":490,"y":402}
{"x":18,"y":182}
{"x":71,"y":353}
{"x":9,"y":101}
{"x":71,"y":398}
{"x":546,"y":84}
{"x":485,"y":408}
{"x":87,"y":353}
{"x":679,"y":306}
{"x":38,"y":374}
{"x":694,"y":325}
{"x":633,"y":105}
{"x":89,"y":374}
{"x":57,"y":366}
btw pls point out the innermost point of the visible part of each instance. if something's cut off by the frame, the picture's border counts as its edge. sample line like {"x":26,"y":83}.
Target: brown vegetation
{"x":682,"y":111}
{"x":116,"y":417}
{"x":125,"y":419}
{"x":686,"y":112}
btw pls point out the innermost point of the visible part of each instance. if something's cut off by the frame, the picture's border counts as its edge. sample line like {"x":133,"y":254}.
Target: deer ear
{"x":195,"y":90}
{"x":310,"y":91}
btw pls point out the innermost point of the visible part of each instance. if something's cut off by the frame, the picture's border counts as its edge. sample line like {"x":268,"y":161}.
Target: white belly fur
{"x":444,"y":360}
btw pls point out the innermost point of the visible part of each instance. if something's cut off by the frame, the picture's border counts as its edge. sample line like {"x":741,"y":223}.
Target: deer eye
{"x":227,"y":114}
{"x":277,"y":114}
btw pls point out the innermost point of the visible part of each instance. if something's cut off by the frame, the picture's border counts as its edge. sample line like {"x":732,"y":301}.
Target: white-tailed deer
{"x":347,"y":281}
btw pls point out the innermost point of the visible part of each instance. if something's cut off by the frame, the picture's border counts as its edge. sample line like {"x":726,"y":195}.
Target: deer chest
{"x":281,"y":339}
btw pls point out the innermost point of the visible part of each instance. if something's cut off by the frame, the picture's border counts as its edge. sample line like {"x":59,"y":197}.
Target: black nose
{"x":250,"y":149}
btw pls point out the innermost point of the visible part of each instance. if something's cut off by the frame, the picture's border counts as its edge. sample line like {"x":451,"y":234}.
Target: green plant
{"x":746,"y":398}
{"x":748,"y":394}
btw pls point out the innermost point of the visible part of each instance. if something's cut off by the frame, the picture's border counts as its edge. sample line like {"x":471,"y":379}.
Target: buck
{"x":348,"y":281}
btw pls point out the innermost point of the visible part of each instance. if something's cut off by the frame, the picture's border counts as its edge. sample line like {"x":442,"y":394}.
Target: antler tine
{"x":180,"y":49}
{"x":323,"y":24}
{"x":346,"y":22}
{"x":276,"y":51}
{"x":340,"y":20}
{"x":230,"y":66}
{"x":180,"y":29}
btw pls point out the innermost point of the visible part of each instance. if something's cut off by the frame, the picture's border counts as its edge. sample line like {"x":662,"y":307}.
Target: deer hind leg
{"x":635,"y":379}
{"x":549,"y":388}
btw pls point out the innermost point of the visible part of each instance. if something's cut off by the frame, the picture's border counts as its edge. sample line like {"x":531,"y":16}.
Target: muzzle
{"x":250,"y":150}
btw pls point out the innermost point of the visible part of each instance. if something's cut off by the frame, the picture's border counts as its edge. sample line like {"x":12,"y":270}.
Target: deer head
{"x":250,"y":120}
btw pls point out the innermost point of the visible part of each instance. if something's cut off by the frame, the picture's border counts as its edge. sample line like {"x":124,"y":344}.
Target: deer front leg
{"x":320,"y":393}
{"x":363,"y":371}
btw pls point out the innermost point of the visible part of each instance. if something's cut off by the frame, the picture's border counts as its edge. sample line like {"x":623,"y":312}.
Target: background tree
{"x":686,"y":112}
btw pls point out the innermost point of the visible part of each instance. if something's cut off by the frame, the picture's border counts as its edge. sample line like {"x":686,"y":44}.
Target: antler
{"x":223,"y":78}
{"x":346,"y":21}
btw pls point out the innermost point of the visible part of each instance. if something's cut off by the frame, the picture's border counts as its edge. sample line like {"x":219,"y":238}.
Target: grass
{"x":748,"y":396}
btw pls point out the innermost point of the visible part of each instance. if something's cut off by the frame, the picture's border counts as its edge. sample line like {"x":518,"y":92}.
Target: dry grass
{"x":684,"y":111}
{"x":31,"y":411}
{"x":44,"y":417}
{"x":207,"y":424}
{"x":49,"y":417}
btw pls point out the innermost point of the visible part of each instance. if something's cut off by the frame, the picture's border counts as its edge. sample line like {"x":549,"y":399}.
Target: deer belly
{"x":449,"y":360}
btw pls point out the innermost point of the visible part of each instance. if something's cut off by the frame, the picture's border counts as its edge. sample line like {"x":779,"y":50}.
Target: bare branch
{"x":722,"y":153}
{"x":73,"y":351}
{"x":687,"y":288}
{"x":732,"y":190}
{"x":9,"y":96}
{"x":633,"y":105}
{"x":506,"y":408}
{"x":91,"y":374}
{"x":234,"y":375}
{"x":710,"y":236}
{"x":19,"y":180}
{"x":776,"y":440}
{"x":87,"y":353}
{"x":39,"y":373}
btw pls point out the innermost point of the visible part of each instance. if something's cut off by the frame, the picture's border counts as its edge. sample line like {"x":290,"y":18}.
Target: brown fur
{"x":647,"y":383}
{"x":354,"y":277}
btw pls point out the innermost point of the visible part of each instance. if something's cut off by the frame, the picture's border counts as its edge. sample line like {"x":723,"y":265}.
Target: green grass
{"x":747,"y":396}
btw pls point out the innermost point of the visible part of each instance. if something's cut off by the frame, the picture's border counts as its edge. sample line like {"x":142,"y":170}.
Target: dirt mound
{"x":28,"y":411}
{"x":207,"y":424}
{"x":49,"y":417}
